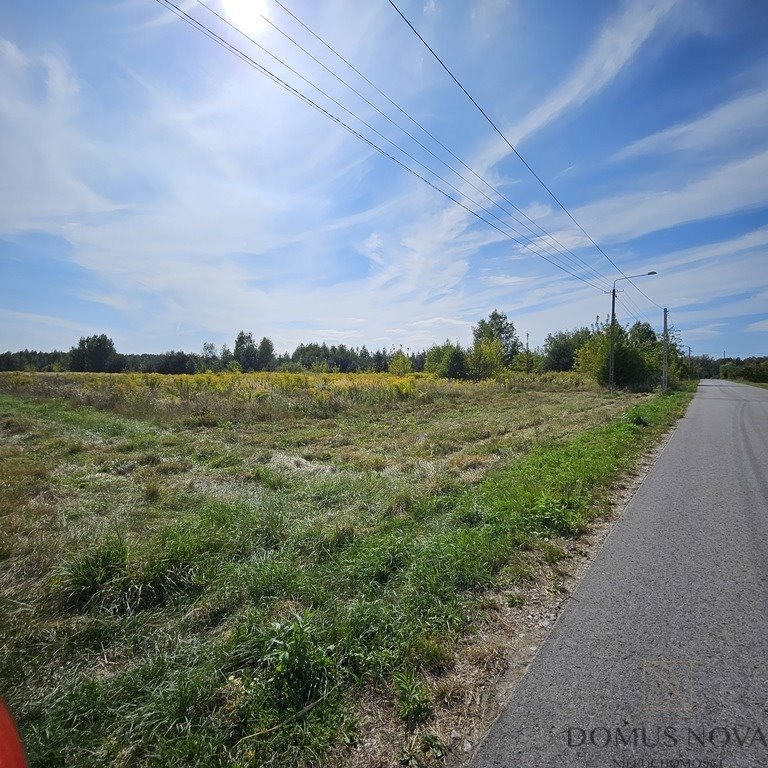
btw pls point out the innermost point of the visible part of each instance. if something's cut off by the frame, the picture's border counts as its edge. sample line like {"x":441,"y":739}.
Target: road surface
{"x":660,"y":658}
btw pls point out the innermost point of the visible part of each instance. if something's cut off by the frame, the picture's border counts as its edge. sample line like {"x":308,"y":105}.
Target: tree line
{"x":752,"y":369}
{"x":496,"y":348}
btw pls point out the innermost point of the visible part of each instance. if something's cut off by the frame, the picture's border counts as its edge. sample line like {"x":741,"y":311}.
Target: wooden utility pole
{"x":527,"y":355}
{"x":611,"y":365}
{"x":665,"y":356}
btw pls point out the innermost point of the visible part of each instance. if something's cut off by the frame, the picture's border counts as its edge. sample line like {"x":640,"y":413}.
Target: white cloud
{"x":42,"y":153}
{"x":615,"y":48}
{"x":749,"y":241}
{"x":760,"y":325}
{"x":506,"y":280}
{"x":704,"y":332}
{"x":439,"y":321}
{"x":736,"y":186}
{"x":741,"y":119}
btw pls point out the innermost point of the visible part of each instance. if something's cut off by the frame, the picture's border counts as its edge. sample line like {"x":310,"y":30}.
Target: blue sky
{"x":158,"y":189}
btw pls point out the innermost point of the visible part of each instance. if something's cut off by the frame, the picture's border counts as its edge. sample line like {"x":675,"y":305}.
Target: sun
{"x":247,"y":15}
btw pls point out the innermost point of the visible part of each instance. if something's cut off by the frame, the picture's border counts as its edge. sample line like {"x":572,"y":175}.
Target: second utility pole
{"x":665,"y":355}
{"x":611,"y":382}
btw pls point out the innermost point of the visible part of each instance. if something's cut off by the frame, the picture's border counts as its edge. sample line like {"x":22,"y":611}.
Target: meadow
{"x":241,"y":569}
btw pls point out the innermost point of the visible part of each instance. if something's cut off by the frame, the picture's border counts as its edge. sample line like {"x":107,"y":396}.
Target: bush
{"x":400,"y":365}
{"x":634,"y":366}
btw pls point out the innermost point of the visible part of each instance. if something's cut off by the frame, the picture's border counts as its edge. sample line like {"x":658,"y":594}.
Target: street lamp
{"x":611,"y":378}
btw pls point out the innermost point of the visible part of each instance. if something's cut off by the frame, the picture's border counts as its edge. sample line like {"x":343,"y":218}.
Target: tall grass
{"x":207,"y":398}
{"x":234,"y":615}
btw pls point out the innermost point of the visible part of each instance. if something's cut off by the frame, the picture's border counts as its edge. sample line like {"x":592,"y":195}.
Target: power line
{"x":632,"y":315}
{"x":634,"y":312}
{"x":426,"y":131}
{"x":511,"y":146}
{"x":283,"y":84}
{"x":633,"y":306}
{"x":531,"y":245}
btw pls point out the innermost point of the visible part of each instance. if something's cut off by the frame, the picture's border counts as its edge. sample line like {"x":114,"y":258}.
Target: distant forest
{"x":496,"y":347}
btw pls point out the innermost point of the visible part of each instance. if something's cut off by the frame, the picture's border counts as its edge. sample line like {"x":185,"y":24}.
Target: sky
{"x":159,"y":189}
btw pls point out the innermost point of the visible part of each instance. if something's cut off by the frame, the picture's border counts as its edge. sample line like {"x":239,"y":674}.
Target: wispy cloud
{"x":614,"y":49}
{"x":705,"y":332}
{"x":733,"y":187}
{"x":740,"y":119}
{"x":42,"y":153}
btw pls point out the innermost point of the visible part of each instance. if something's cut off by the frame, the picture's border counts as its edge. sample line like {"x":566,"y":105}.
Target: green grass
{"x":224,"y":594}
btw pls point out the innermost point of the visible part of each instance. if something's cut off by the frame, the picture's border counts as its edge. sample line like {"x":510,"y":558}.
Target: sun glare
{"x":247,"y":15}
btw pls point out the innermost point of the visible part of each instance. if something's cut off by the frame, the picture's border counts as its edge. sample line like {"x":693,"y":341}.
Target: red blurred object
{"x":11,"y":751}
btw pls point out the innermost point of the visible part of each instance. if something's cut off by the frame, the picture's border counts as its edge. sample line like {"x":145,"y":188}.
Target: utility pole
{"x":611,"y":361}
{"x":611,"y":378}
{"x":527,"y":355}
{"x":665,"y":355}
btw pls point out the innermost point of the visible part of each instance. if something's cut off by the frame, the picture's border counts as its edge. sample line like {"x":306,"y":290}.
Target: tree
{"x":93,"y":353}
{"x":226,"y":357}
{"x":417,"y":361}
{"x":399,"y":364}
{"x":380,"y":361}
{"x":642,"y":333}
{"x":456,"y":363}
{"x":528,"y":361}
{"x":245,"y":352}
{"x":448,"y":361}
{"x":560,"y":348}
{"x":209,"y":359}
{"x":176,"y":362}
{"x":265,"y":356}
{"x":364,"y":359}
{"x":703,"y":367}
{"x":497,"y":326}
{"x":633,"y":368}
{"x":485,"y":359}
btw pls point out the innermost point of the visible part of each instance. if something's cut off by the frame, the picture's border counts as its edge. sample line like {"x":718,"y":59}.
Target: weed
{"x":433,"y":746}
{"x":151,"y":459}
{"x":412,"y":699}
{"x":472,"y":517}
{"x":560,"y":516}
{"x":551,"y":553}
{"x":267,"y":477}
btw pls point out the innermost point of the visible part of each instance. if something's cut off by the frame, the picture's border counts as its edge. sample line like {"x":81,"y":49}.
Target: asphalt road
{"x":660,"y":658}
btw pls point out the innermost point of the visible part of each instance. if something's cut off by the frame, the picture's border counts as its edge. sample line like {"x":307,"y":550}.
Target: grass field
{"x":236,"y":569}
